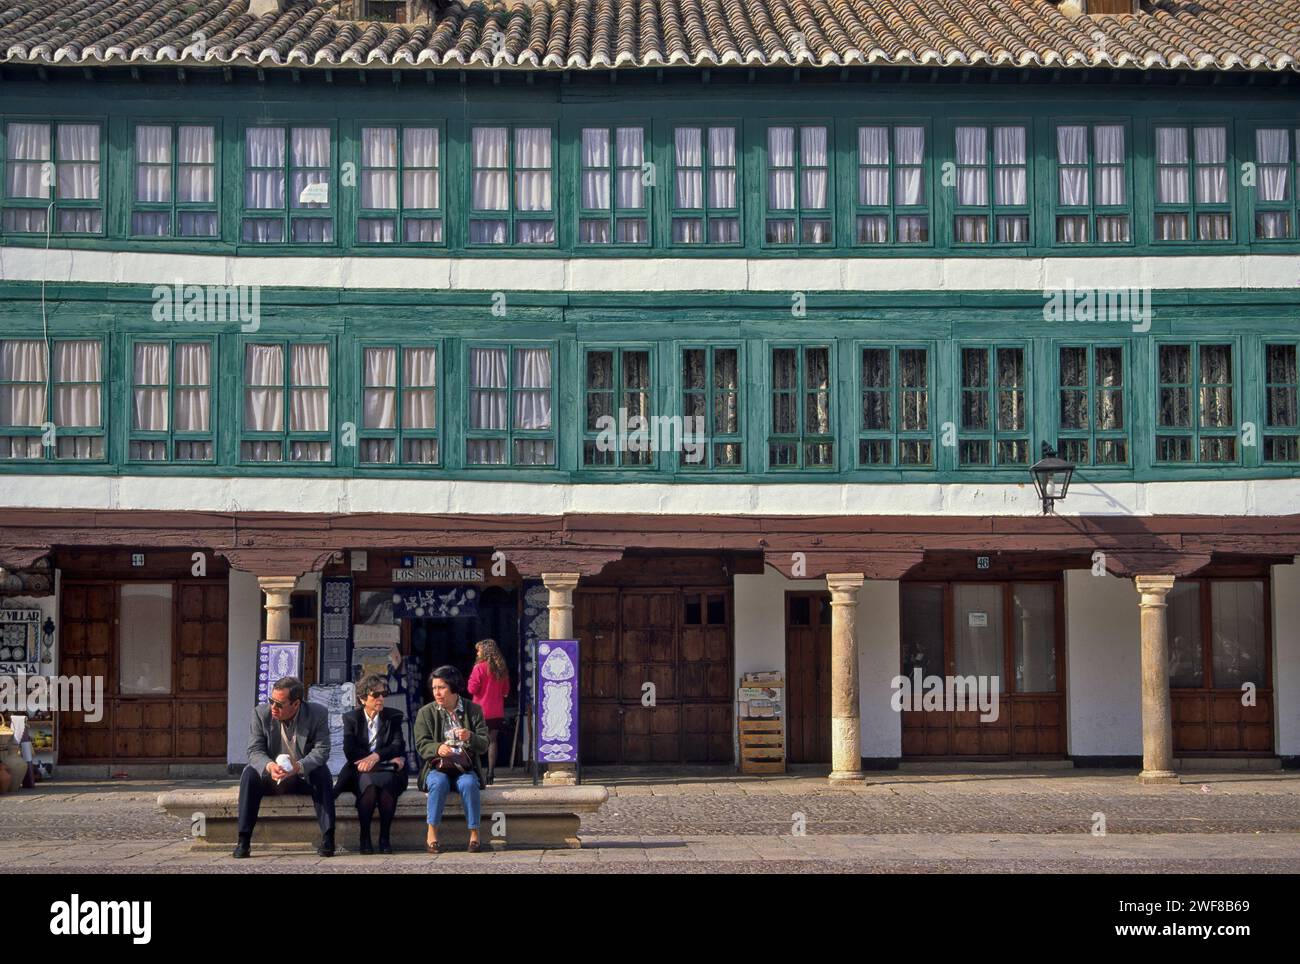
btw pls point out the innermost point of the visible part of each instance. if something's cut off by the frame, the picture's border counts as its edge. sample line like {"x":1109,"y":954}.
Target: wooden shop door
{"x":808,"y":677}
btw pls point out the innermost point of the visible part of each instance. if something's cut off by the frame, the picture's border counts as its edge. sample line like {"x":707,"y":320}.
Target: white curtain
{"x":689,"y":162}
{"x":873,"y":166}
{"x":264,"y":388}
{"x":264,"y":148}
{"x":972,"y":173}
{"x":27,"y":148}
{"x":1010,"y":158}
{"x":972,"y":229}
{"x":873,"y":229}
{"x":1072,"y":158}
{"x":490,"y":190}
{"x":379,"y":187}
{"x":780,"y":163}
{"x":533,"y":168}
{"x":1171,"y":161}
{"x":1272,"y":153}
{"x":532,"y":388}
{"x":815,"y":160}
{"x":595,"y":164}
{"x":22,"y":361}
{"x":630,"y":144}
{"x":1211,"y":165}
{"x":419,"y":383}
{"x":379,"y":398}
{"x":311,"y":149}
{"x":420,"y":168}
{"x":722,"y":160}
{"x":153,"y":158}
{"x":196,"y":155}
{"x":1109,"y":145}
{"x":309,"y":402}
{"x":77,"y":405}
{"x":487,"y":400}
{"x":150,"y":375}
{"x":909,"y":171}
{"x":193,"y":391}
{"x":78,"y":161}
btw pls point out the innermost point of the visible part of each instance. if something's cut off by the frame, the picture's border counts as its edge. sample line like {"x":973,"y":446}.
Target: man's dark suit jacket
{"x":356,"y":746}
{"x":311,"y":737}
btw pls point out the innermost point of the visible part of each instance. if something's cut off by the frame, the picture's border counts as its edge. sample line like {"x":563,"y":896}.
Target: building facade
{"x":724,"y":336}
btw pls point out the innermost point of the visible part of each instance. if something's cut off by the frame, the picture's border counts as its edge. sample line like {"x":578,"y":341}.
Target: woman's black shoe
{"x":365,"y":846}
{"x":385,"y":847}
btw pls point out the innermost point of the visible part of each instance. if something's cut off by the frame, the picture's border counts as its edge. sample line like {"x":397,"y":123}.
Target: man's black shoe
{"x":241,"y":849}
{"x":326,"y":848}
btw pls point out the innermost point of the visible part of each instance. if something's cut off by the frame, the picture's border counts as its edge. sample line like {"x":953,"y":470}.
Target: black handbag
{"x":458,"y":761}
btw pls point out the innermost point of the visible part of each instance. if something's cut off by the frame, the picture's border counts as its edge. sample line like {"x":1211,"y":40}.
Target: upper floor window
{"x":1092,"y":185}
{"x":510,"y":398}
{"x":286,"y":405}
{"x":400,"y":186}
{"x":1090,"y":383}
{"x":892,"y":203}
{"x":1275,"y":194}
{"x":287,"y":185}
{"x":895,"y":425}
{"x":613,"y":205}
{"x":73,"y":176}
{"x":511,"y":186}
{"x":706,"y":197}
{"x":711,"y":398}
{"x":171,"y":402}
{"x":803,"y":433}
{"x":992,"y":185}
{"x":175,"y":181}
{"x":60,"y":417}
{"x":1192,"y":184}
{"x":1195,"y":411}
{"x":994,"y":426}
{"x":798,"y":186}
{"x":399,"y":401}
{"x":618,"y":431}
{"x":1282,"y":420}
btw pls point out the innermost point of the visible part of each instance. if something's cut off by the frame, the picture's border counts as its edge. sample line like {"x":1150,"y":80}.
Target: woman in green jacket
{"x":449,"y":724}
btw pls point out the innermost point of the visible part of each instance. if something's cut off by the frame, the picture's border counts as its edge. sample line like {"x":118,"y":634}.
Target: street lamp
{"x":1051,"y":477}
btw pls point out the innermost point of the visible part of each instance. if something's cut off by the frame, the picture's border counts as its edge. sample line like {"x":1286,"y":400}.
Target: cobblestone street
{"x":713,"y":820}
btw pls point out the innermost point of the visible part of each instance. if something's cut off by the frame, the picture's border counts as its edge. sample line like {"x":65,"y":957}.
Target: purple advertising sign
{"x":276,"y":660}
{"x":557,"y":701}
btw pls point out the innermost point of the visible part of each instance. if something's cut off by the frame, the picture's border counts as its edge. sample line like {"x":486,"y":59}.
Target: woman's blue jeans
{"x":439,"y":785}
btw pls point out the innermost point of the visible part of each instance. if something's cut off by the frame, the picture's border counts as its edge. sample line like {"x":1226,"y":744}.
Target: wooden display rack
{"x":762,"y":738}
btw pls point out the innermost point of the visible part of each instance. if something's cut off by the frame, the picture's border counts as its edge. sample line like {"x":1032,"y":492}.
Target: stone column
{"x":1157,"y":726}
{"x":560,"y":586}
{"x":277,"y":590}
{"x":846,"y":736}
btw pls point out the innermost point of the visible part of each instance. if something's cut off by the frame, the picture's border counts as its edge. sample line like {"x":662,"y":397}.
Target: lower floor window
{"x":58,"y":417}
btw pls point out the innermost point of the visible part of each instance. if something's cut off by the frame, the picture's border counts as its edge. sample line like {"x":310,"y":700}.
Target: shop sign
{"x":455,"y":603}
{"x":557,"y":701}
{"x":18,"y":644}
{"x":437,"y":569}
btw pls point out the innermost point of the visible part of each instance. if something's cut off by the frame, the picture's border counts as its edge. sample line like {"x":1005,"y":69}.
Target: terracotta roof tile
{"x":607,"y":34}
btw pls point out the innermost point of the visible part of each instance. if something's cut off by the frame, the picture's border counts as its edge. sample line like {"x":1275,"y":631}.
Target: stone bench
{"x":535,"y":818}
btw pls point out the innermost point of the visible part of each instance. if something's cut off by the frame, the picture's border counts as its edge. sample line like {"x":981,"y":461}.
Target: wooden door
{"x":302,"y":628}
{"x":89,"y":611}
{"x":808,"y":677}
{"x":651,"y":734}
{"x":201,"y":682}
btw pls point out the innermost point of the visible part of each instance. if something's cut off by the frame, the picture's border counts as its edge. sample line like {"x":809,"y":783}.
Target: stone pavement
{"x":711,"y":819}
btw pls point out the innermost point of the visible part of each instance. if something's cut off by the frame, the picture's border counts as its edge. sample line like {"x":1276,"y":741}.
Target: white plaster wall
{"x":760,"y":645}
{"x":1286,"y":659}
{"x":1103,"y":665}
{"x":245,"y":628}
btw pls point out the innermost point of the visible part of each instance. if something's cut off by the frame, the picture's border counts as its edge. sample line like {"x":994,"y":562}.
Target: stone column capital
{"x":277,"y":584}
{"x":1156,"y":587}
{"x":561,"y":581}
{"x":844,"y":586}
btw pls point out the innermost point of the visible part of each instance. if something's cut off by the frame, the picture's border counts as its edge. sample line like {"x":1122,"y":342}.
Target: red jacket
{"x":489,"y":692}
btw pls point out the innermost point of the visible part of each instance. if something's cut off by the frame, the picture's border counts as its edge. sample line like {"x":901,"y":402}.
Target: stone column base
{"x":560,"y":775}
{"x":846,"y":776}
{"x":1157,"y":776}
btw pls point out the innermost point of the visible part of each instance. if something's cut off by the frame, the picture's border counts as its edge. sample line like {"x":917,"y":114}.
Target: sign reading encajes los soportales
{"x":437,"y":569}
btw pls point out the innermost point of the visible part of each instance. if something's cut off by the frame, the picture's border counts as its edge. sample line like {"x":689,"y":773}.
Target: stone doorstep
{"x":534,"y":817}
{"x":1210,"y":764}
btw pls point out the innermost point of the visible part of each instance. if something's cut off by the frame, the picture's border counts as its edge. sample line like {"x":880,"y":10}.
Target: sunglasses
{"x":279,"y":704}
{"x":379,"y":694}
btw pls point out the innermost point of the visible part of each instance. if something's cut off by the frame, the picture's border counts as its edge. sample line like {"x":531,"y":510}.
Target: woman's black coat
{"x":356,"y":746}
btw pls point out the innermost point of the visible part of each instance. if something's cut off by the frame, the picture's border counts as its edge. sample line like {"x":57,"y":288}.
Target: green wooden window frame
{"x":32,"y":437}
{"x":717,"y":404}
{"x":406,"y":445}
{"x":622,"y":222}
{"x":316,"y":447}
{"x":513,"y":218}
{"x":1093,"y":223}
{"x":988,"y":434}
{"x":711,"y":223}
{"x":411,"y":224}
{"x":1198,"y":217}
{"x":1276,"y":218}
{"x":895,"y":426}
{"x":1281,"y":420}
{"x":170,"y":445}
{"x":626,"y":382}
{"x":516,"y":440}
{"x":1194,"y":441}
{"x":809,"y":226}
{"x":183,"y":219}
{"x":316,"y":217}
{"x":1002,"y":220}
{"x":1092,"y":414}
{"x":798,"y":402}
{"x":51,"y":212}
{"x":891,"y":222}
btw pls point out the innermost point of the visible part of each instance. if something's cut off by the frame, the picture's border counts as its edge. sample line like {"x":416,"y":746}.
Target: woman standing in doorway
{"x":488,"y":685}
